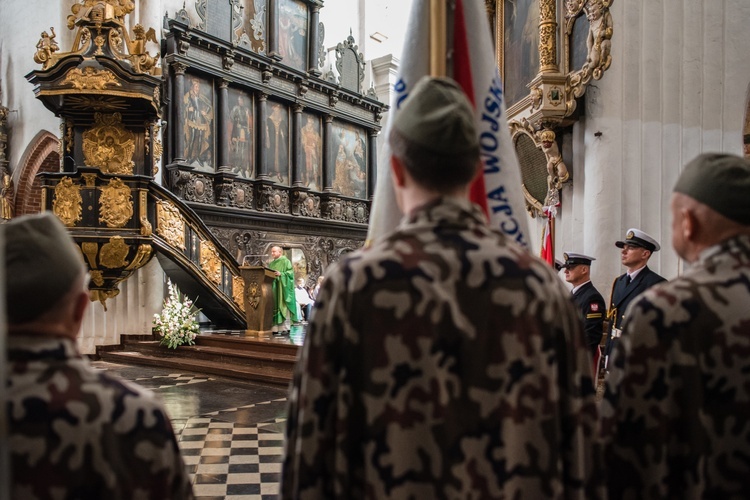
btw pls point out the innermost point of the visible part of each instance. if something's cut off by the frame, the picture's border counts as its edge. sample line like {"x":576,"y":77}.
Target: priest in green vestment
{"x":285,"y":305}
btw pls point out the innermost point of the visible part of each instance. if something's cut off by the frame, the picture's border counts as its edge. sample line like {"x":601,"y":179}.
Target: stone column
{"x":273,"y":29}
{"x":298,"y":162}
{"x":372,"y":163}
{"x":178,"y":120}
{"x":260,"y":139}
{"x":222,"y":132}
{"x":328,"y":166}
{"x":312,"y":53}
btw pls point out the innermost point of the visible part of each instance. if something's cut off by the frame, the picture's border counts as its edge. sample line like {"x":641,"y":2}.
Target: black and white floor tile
{"x":231,"y":433}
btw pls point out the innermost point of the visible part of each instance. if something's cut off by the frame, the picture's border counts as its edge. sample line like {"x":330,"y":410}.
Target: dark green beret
{"x":41,"y":265}
{"x":438,"y":116}
{"x":720,"y":181}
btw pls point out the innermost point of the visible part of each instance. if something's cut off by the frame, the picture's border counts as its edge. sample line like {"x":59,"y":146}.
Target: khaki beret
{"x":41,"y":265}
{"x":438,"y":116}
{"x":720,"y":181}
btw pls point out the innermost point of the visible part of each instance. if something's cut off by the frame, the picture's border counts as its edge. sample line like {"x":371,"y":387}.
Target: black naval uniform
{"x":592,"y":306}
{"x":623,"y":293}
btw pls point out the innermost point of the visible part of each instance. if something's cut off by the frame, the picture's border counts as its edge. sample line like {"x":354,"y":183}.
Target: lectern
{"x":258,"y":299}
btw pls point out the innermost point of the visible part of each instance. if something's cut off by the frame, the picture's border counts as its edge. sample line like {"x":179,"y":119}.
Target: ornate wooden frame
{"x":551,"y":102}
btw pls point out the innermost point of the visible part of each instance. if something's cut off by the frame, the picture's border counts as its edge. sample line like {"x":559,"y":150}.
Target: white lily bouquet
{"x":176,"y":324}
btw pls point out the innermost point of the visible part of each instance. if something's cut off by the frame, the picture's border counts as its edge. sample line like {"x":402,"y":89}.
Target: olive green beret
{"x":41,"y":265}
{"x":437,"y":116}
{"x":720,"y":181}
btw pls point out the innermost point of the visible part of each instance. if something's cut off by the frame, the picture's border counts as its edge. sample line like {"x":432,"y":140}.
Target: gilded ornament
{"x":68,"y":136}
{"x":141,"y":257}
{"x":103,"y":295}
{"x":169,"y":224}
{"x":90,"y":249}
{"x":68,"y":202}
{"x":109,"y":145}
{"x":90,"y":78}
{"x":89,"y":180}
{"x":210,"y":262}
{"x":45,"y":48}
{"x":146,"y":228}
{"x":97,"y":277}
{"x":115,"y":204}
{"x":253,"y":294}
{"x":113,"y":254}
{"x":238,"y":292}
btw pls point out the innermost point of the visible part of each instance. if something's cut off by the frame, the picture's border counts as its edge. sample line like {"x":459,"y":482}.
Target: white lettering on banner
{"x":489,"y":144}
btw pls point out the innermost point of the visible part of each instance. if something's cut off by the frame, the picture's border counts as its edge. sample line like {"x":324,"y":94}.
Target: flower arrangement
{"x":176,"y":324}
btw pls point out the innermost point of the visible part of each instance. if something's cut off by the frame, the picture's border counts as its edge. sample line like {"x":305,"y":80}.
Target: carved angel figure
{"x":46,"y":46}
{"x":599,"y":38}
{"x":557,"y":172}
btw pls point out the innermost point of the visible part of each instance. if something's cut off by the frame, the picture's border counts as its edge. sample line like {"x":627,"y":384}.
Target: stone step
{"x":230,"y":370}
{"x":220,"y":352}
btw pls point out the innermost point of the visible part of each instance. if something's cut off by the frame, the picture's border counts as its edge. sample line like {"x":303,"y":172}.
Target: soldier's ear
{"x":398,"y":171}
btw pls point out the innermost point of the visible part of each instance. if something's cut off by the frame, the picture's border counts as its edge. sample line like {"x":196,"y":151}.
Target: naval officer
{"x":586,"y":297}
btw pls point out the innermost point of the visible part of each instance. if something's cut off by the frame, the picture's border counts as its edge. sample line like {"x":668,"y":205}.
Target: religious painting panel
{"x":240,"y":133}
{"x":311,"y":139}
{"x":254,"y":21}
{"x":299,"y":263}
{"x":198,"y":105}
{"x":578,"y":48}
{"x":350,"y":160}
{"x":293,"y":33}
{"x":277,"y":142}
{"x":520,"y":47}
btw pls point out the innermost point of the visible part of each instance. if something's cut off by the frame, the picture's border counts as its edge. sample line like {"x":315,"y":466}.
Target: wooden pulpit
{"x":259,"y":301}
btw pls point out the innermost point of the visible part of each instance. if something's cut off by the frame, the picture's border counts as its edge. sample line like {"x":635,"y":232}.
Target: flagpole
{"x":438,"y":37}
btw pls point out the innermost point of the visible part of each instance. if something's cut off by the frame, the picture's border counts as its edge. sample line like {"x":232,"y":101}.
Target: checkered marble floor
{"x":232,"y":451}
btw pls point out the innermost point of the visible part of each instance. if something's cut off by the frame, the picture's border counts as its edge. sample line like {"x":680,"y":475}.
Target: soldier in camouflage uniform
{"x":676,"y":411}
{"x":75,"y":432}
{"x":444,"y":361}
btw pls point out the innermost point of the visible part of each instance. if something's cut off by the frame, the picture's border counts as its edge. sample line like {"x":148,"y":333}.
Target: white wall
{"x":677,"y":87}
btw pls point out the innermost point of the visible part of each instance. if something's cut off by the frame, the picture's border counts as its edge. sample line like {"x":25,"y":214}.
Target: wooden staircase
{"x":227,"y":354}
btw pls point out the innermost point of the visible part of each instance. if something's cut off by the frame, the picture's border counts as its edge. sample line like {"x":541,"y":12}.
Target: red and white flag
{"x":548,"y":251}
{"x":497,"y":188}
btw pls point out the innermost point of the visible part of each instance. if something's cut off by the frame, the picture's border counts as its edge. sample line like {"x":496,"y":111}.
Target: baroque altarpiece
{"x":257,"y":147}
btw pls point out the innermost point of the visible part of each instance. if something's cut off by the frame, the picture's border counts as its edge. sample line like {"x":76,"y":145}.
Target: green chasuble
{"x":285,"y":305}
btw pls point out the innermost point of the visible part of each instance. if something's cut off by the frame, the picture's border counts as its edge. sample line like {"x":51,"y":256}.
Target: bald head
{"x":696,"y":226}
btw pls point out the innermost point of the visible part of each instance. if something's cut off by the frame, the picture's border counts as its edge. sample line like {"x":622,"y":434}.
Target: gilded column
{"x":260,"y":139}
{"x":178,"y":120}
{"x":548,"y":37}
{"x":298,"y":163}
{"x":328,"y":166}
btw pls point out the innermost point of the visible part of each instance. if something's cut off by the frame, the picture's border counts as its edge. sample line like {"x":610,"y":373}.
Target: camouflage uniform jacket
{"x":76,"y":432}
{"x":676,"y":411}
{"x":442,"y":362}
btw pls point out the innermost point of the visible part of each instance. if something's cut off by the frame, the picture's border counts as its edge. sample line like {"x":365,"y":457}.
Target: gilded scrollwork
{"x":68,"y":203}
{"x":90,"y":249}
{"x":90,"y":78}
{"x":109,"y":145}
{"x":238,"y":291}
{"x":113,"y":254}
{"x":169,"y":224}
{"x":142,"y":256}
{"x":115,"y":204}
{"x":210,"y":261}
